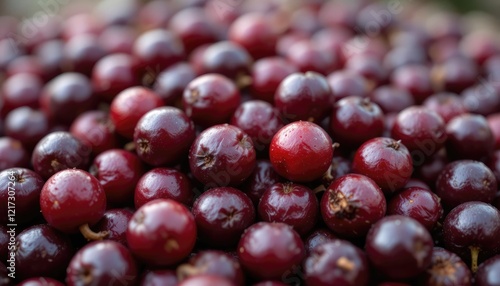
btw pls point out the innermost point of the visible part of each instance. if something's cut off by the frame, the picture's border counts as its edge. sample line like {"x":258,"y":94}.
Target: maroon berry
{"x":95,"y":129}
{"x":158,"y":49}
{"x":227,"y":59}
{"x":267,"y":250}
{"x":309,"y":57}
{"x":262,"y":178}
{"x":487,"y":273}
{"x":446,"y":269}
{"x":207,"y":280}
{"x":222,"y":155}
{"x":347,"y":83}
{"x":446,"y":104}
{"x":27,"y":125}
{"x":267,"y":74}
{"x":115,"y":223}
{"x":12,"y":154}
{"x":20,"y":90}
{"x":171,"y":82}
{"x":392,"y":99}
{"x":158,"y":241}
{"x":301,"y":151}
{"x":82,"y":52}
{"x":317,"y":238}
{"x":416,"y":79}
{"x":159,"y":277}
{"x":351,"y":204}
{"x":221,"y":215}
{"x":399,"y":247}
{"x":385,"y":161}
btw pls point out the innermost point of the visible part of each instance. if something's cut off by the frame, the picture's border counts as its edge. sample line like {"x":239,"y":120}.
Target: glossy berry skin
{"x":421,"y":130}
{"x":114,"y":73}
{"x":222,"y":155}
{"x":465,"y":180}
{"x":317,"y":238}
{"x":301,"y":151}
{"x":212,"y":262}
{"x":391,"y":99}
{"x":115,"y":223}
{"x":12,"y":154}
{"x":210,"y":99}
{"x":418,"y":203}
{"x":159,"y":277}
{"x":469,"y":130}
{"x":337,"y":263}
{"x":267,"y":74}
{"x":351,"y":204}
{"x":481,"y":99}
{"x":446,"y":104}
{"x":58,"y":151}
{"x":26,"y":186}
{"x":267,"y":250}
{"x":256,"y":33}
{"x":20,"y":90}
{"x":158,"y":49}
{"x":102,"y":263}
{"x":171,"y":82}
{"x":399,"y":247}
{"x":95,"y":129}
{"x":385,"y":161}
{"x":415,"y":79}
{"x":40,"y":281}
{"x":262,"y":178}
{"x":304,"y":96}
{"x":163,"y":183}
{"x":27,"y":125}
{"x":163,"y":136}
{"x":346,"y":83}
{"x":118,"y":172}
{"x":368,"y":66}
{"x":222,"y":212}
{"x":72,"y":198}
{"x":129,"y":106}
{"x":206,"y":280}
{"x":472,"y":228}
{"x":289,"y":203}
{"x":227,"y":59}
{"x":42,"y":250}
{"x":487,"y":273}
{"x":67,"y":96}
{"x":260,"y":120}
{"x":81,"y":52}
{"x":446,"y":269}
{"x":157,"y":241}
{"x":309,"y":57}
{"x":355,"y":120}
{"x":455,"y":74}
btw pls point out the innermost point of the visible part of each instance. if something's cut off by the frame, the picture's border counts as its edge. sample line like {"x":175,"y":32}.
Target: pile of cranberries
{"x":264,"y":143}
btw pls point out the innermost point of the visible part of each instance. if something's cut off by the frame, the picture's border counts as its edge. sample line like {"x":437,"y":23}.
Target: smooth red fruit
{"x":487,"y":273}
{"x":267,"y":74}
{"x":301,"y":151}
{"x":115,"y":223}
{"x":95,"y":129}
{"x":446,"y":269}
{"x":159,"y":277}
{"x":13,"y":154}
{"x":262,"y":178}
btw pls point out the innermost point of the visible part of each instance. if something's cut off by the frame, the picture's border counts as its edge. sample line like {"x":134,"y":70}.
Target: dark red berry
{"x":171,"y":82}
{"x":267,"y":74}
{"x":346,"y":83}
{"x":317,"y":238}
{"x":95,"y":129}
{"x":262,"y":177}
{"x":446,"y":269}
{"x":159,"y":277}
{"x":13,"y":154}
{"x":227,"y":59}
{"x":115,"y":223}
{"x":392,"y":99}
{"x":487,"y":273}
{"x":27,"y":125}
{"x":157,"y":49}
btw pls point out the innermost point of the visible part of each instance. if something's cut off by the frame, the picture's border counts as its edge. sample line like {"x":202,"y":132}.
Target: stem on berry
{"x":319,"y":188}
{"x":474,"y":254}
{"x":90,"y":234}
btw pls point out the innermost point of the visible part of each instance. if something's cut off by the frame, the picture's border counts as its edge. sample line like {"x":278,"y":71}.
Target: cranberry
{"x":222,"y":212}
{"x":479,"y":46}
{"x":102,"y":263}
{"x":118,"y":171}
{"x":25,"y":65}
{"x":26,"y":186}
{"x":159,"y":277}
{"x":73,"y":199}
{"x":267,"y":74}
{"x":316,"y":238}
{"x":95,"y":129}
{"x":210,"y":99}
{"x":161,"y":242}
{"x":405,"y":54}
{"x":351,"y":204}
{"x":267,"y":250}
{"x":114,"y":73}
{"x":455,"y":74}
{"x":309,"y":57}
{"x":42,"y":251}
{"x":494,"y":165}
{"x":129,"y":106}
{"x":337,"y":263}
{"x":256,"y":33}
{"x":355,"y":120}
{"x":429,"y":171}
{"x":115,"y":223}
{"x":20,"y":90}
{"x":58,"y":151}
{"x":222,"y":155}
{"x":469,"y":130}
{"x":117,"y":39}
{"x":171,"y":82}
{"x":494,"y":124}
{"x":27,"y":125}
{"x":158,"y":49}
{"x":82,"y":52}
{"x":81,"y":23}
{"x":228,"y":59}
{"x":446,"y":104}
{"x":340,"y":166}
{"x":347,"y":83}
{"x":368,"y":66}
{"x":415,"y":79}
{"x":301,"y":151}
{"x":465,"y":180}
{"x":399,"y":247}
{"x":67,"y":96}
{"x":193,"y":27}
{"x":262,"y":178}
{"x":212,"y":262}
{"x":385,"y":161}
{"x":287,"y":40}
{"x":260,"y":120}
{"x":421,"y":130}
{"x":419,"y":204}
{"x":470,"y":230}
{"x":487,"y":273}
{"x":375,"y":17}
{"x":289,"y":203}
{"x":207,"y":280}
{"x":51,"y":57}
{"x":392,"y":99}
{"x":482,"y":99}
{"x":12,"y":154}
{"x":304,"y":97}
{"x":446,"y":269}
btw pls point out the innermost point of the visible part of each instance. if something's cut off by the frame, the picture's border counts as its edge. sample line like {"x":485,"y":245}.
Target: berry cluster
{"x":265,"y":143}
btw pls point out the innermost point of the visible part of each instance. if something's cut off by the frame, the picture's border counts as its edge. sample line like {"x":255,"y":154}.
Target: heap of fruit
{"x":228,"y":142}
